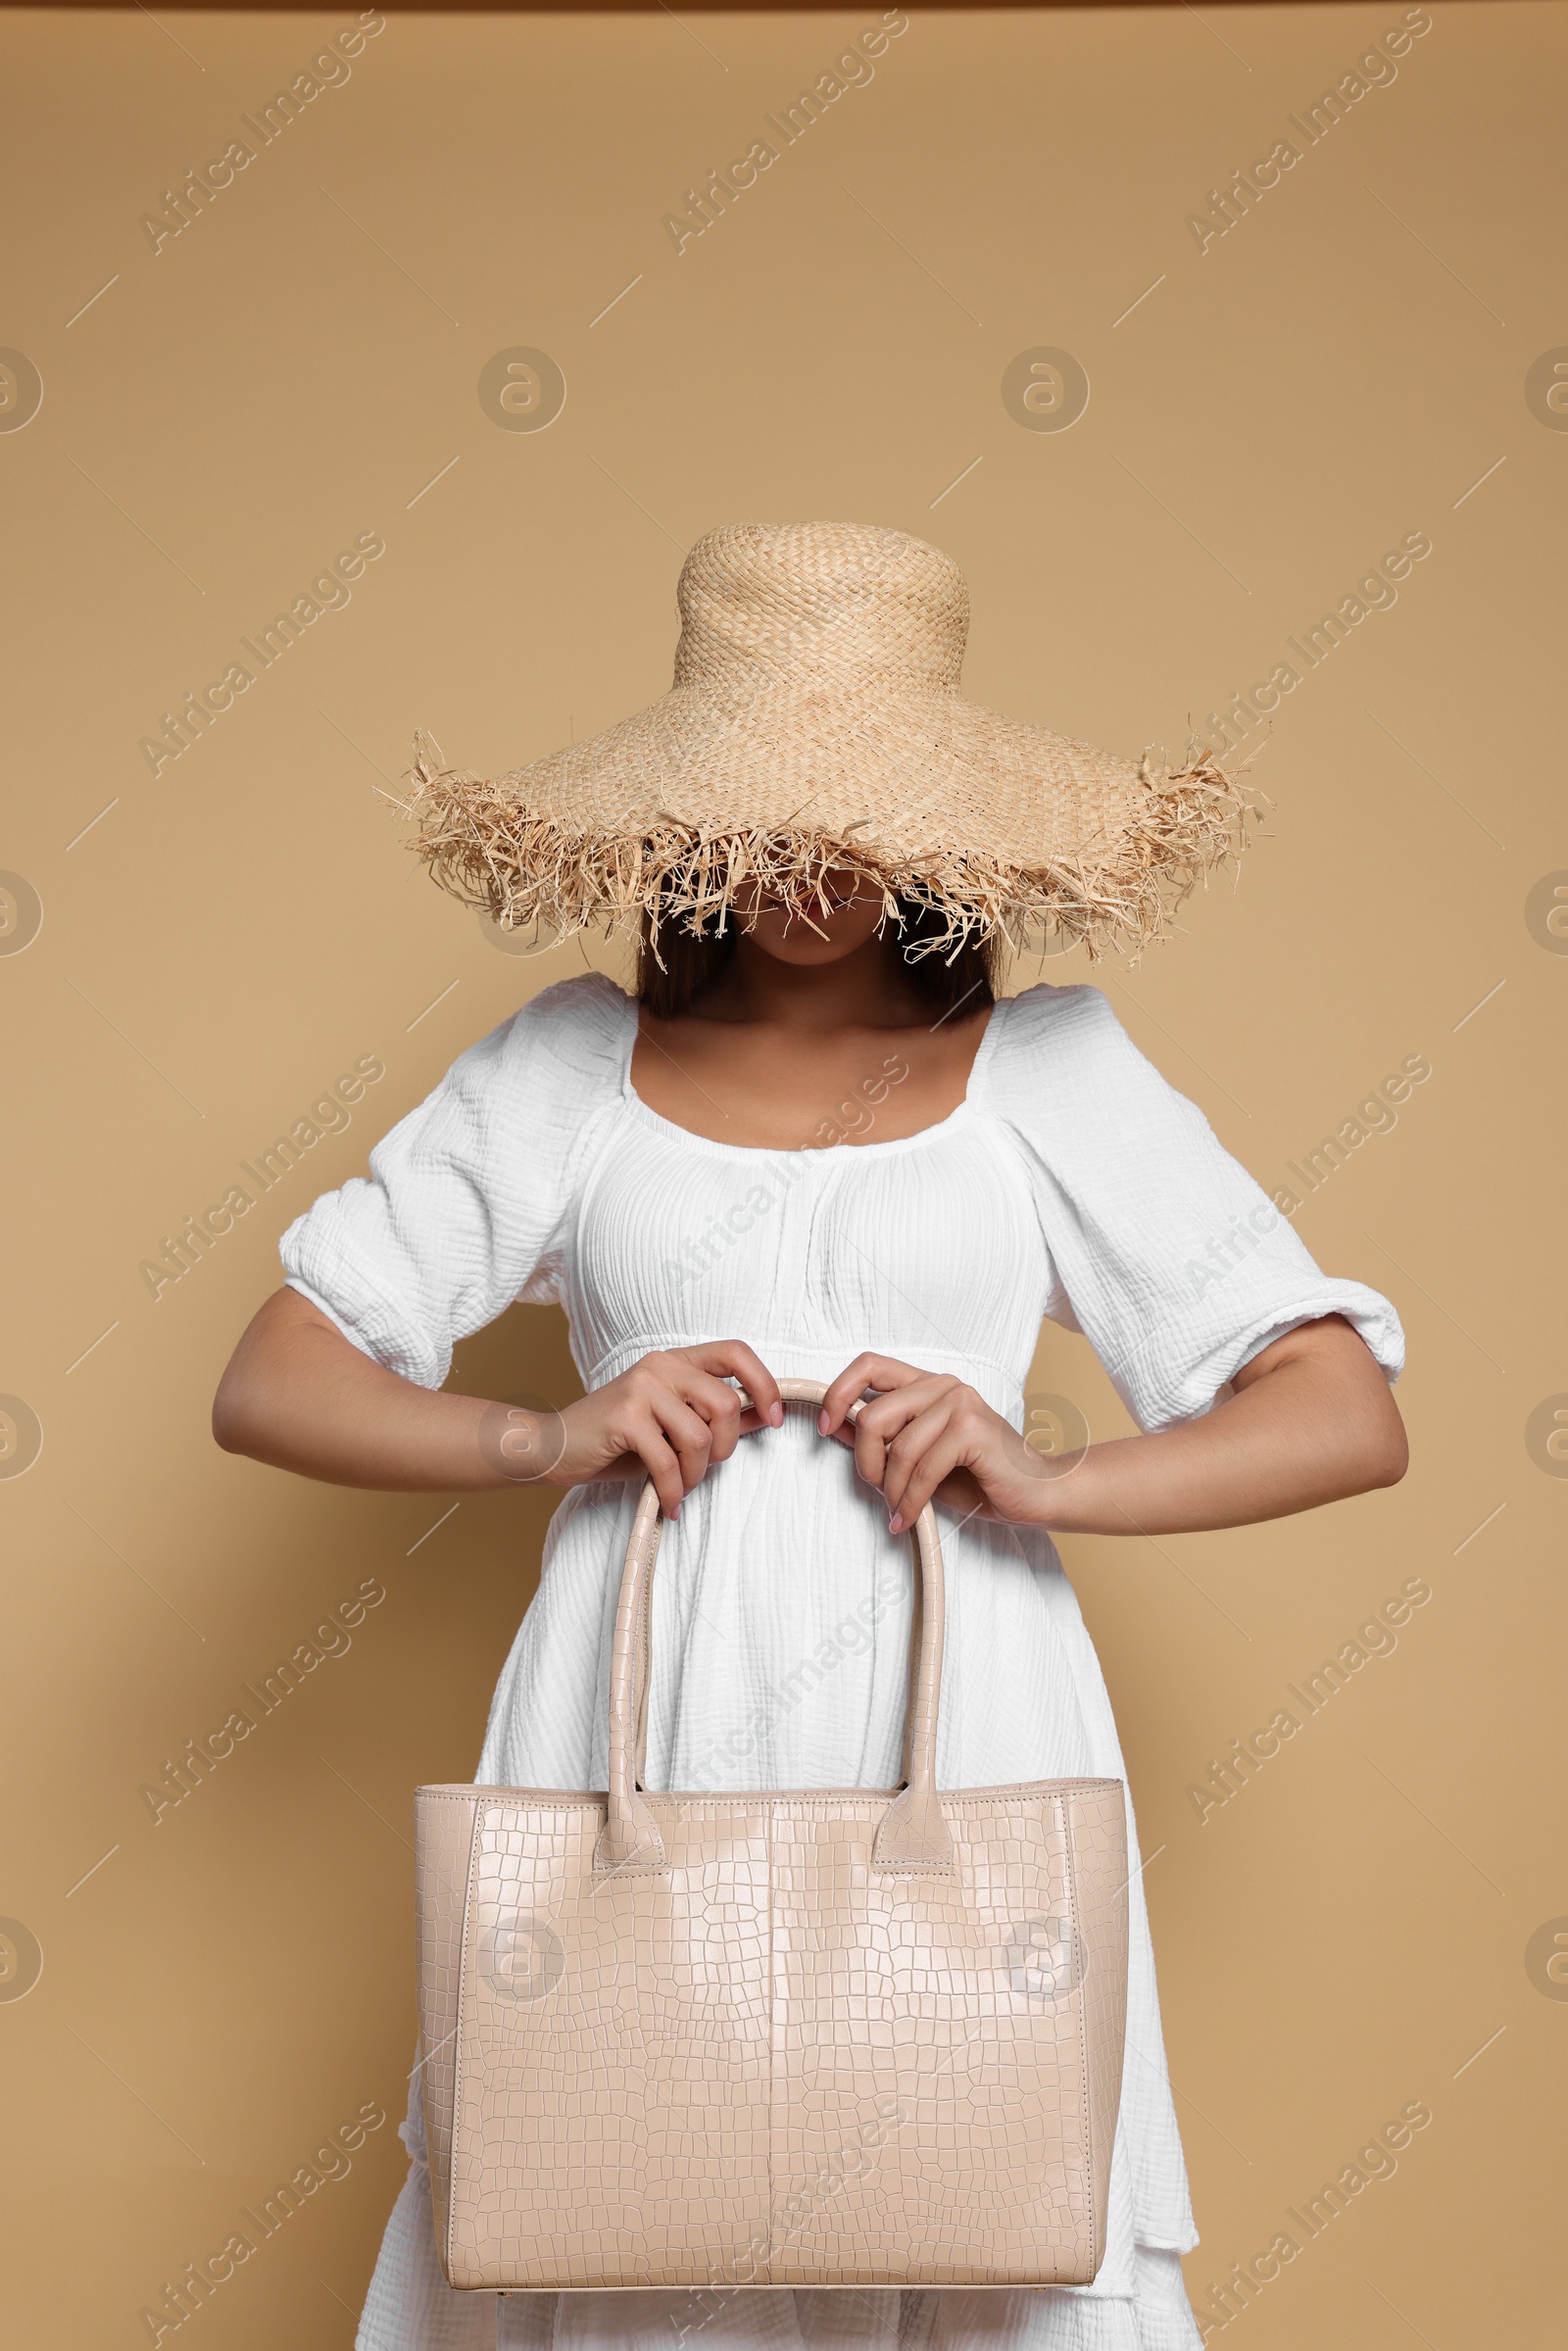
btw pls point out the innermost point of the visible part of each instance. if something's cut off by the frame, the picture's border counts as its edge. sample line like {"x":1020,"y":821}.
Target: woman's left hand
{"x":926,"y":1435}
{"x":1310,"y":1420}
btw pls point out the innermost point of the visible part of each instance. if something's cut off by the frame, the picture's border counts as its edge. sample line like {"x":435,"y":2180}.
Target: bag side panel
{"x":443,"y":1833}
{"x":1096,"y":1820}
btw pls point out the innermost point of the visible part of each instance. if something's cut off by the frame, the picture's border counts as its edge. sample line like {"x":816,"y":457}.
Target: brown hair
{"x":693,"y":962}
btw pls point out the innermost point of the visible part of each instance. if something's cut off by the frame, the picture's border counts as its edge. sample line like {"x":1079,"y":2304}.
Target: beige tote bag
{"x":826,"y":2037}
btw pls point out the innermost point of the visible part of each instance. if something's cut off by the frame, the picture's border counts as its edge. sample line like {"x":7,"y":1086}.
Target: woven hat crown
{"x":768,"y":604}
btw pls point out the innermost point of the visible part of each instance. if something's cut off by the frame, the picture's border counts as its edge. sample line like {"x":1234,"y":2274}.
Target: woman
{"x":810,"y":1147}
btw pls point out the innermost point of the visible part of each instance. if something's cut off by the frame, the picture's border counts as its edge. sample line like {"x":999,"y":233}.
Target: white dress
{"x":1072,"y":1182}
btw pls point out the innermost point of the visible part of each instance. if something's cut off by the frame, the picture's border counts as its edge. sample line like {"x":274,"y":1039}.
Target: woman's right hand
{"x":300,"y":1395}
{"x":670,"y":1417}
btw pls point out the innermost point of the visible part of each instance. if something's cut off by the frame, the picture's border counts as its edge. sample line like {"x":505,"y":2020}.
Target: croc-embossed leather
{"x":821,"y":2038}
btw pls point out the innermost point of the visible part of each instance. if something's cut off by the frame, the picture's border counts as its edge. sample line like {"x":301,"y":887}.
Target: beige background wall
{"x":1368,"y":1923}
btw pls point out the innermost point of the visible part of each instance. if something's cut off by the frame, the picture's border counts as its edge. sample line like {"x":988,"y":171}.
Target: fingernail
{"x":822,"y":1422}
{"x":896,"y":1523}
{"x":775,"y":1416}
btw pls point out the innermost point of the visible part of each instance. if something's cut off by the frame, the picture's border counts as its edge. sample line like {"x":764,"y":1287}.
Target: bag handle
{"x":912,"y":1835}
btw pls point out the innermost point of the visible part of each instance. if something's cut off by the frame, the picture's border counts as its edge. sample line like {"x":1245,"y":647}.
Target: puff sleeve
{"x":1166,"y":1255}
{"x":468,"y":1201}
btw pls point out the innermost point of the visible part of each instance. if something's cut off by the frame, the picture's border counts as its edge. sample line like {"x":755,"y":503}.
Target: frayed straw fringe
{"x":531,"y":873}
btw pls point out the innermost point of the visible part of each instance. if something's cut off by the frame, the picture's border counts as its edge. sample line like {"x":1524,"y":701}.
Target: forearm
{"x":1311,"y":1422}
{"x":299,"y":1396}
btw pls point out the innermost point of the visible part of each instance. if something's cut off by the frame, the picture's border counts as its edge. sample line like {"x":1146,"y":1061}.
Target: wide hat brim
{"x":772,"y":779}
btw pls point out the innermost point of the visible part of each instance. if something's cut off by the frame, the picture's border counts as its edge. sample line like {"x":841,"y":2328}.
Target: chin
{"x":807,"y":953}
{"x":797,"y":944}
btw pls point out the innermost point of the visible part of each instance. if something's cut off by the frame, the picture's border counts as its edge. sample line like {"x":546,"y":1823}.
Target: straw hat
{"x":815,"y":722}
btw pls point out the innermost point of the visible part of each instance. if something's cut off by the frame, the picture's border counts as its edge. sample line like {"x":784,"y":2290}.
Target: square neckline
{"x":958,"y":1117}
